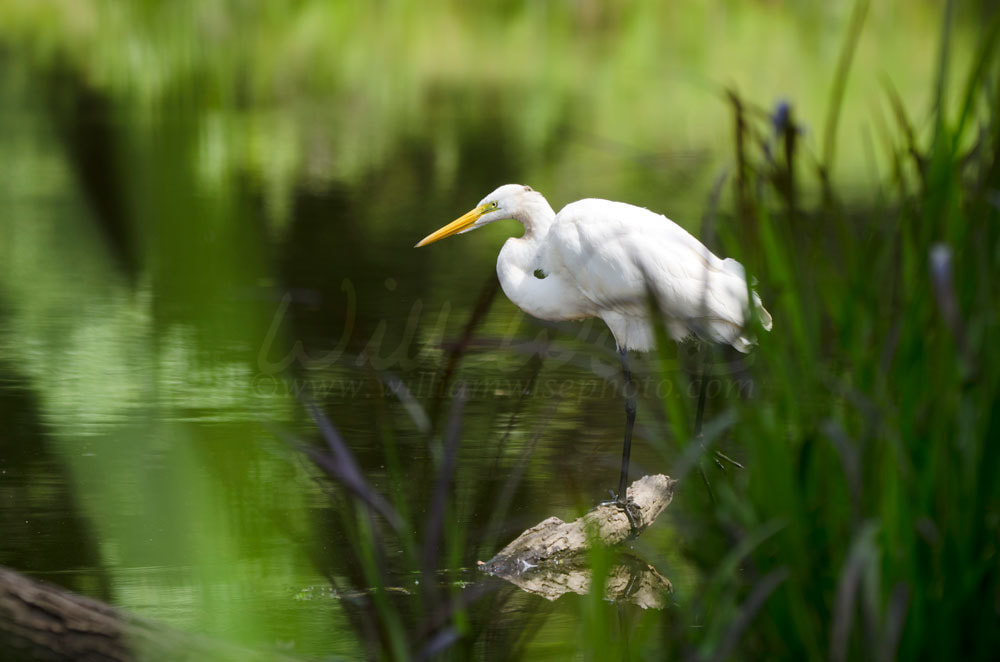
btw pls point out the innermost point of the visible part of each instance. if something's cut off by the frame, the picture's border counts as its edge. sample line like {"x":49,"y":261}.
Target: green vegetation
{"x":867,"y":521}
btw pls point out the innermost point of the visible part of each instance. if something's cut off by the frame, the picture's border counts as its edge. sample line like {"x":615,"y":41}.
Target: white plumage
{"x":598,"y":258}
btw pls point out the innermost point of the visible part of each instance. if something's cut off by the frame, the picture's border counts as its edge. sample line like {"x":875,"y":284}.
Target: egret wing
{"x":617,"y":253}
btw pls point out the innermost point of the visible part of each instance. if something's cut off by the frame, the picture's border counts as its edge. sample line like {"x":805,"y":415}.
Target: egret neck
{"x":525,"y":269}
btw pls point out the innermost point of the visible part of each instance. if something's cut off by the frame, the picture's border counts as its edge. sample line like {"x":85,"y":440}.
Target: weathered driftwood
{"x":553,"y":542}
{"x":630,"y":580}
{"x":39,"y":621}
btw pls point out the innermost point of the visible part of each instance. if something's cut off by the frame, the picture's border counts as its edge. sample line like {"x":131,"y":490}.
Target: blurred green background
{"x":207,"y":213}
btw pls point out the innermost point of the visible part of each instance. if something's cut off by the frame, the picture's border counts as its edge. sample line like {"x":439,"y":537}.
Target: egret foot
{"x":630,"y":508}
{"x":719,"y":455}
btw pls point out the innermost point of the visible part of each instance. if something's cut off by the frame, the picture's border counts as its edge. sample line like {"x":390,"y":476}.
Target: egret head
{"x":508,"y":201}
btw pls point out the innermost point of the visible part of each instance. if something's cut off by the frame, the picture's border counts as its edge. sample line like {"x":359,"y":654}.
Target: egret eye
{"x":493,"y":205}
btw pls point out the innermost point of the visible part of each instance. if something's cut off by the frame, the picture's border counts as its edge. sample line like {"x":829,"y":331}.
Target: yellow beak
{"x":456,"y":226}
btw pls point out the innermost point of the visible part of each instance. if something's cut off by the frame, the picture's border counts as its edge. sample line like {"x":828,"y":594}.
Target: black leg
{"x":629,"y":423}
{"x":621,"y":499}
{"x":702,"y":386}
{"x":699,"y":416}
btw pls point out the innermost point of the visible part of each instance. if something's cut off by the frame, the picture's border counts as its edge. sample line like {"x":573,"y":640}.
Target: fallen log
{"x":553,"y":542}
{"x":39,"y":621}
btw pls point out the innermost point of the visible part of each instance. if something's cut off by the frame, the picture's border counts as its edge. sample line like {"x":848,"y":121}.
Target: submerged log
{"x":553,"y":542}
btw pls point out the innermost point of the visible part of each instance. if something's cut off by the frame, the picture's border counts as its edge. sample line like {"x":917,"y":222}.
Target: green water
{"x":196,"y":238}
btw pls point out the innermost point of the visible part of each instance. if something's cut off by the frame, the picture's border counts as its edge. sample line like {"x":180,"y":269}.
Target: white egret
{"x":598,"y":258}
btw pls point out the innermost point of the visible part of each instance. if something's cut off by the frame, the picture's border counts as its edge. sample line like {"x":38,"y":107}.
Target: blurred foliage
{"x":316,"y":92}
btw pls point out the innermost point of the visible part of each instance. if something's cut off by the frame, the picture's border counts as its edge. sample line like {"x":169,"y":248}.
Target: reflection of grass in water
{"x":146,"y":399}
{"x":593,"y":92}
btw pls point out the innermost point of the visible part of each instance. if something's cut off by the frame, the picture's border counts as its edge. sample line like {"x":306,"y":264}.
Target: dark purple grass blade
{"x":441,"y":641}
{"x":439,"y":500}
{"x":342,"y":467}
{"x":761,"y":592}
{"x":894,"y":620}
{"x":861,"y":554}
{"x":940,"y":263}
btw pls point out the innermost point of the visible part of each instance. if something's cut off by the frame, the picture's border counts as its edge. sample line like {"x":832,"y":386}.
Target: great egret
{"x":598,"y":258}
